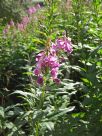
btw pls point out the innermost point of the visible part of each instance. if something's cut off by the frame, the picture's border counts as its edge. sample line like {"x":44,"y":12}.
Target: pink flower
{"x":57,"y":81}
{"x":25,"y":20}
{"x":64,"y":44}
{"x":38,"y":6}
{"x":54,"y":73}
{"x":48,"y":61}
{"x":11,"y":23}
{"x":41,"y":54}
{"x":30,"y":11}
{"x":40,"y":80}
{"x":5,"y":31}
{"x":68,"y":46}
{"x":53,"y":49}
{"x":33,"y":9}
{"x":36,"y":71}
{"x":20,"y":26}
{"x":60,"y":44}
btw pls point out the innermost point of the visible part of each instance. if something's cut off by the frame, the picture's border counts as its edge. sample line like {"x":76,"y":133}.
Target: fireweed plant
{"x":48,"y":60}
{"x":22,"y":25}
{"x":60,"y":90}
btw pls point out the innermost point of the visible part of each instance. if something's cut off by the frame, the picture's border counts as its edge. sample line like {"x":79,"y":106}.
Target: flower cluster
{"x":64,"y":44}
{"x":8,"y":26}
{"x":25,"y":20}
{"x":23,"y":24}
{"x":32,"y":10}
{"x":48,"y":61}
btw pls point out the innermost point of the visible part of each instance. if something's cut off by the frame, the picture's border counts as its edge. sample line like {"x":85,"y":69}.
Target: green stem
{"x":37,"y":129}
{"x":42,"y":96}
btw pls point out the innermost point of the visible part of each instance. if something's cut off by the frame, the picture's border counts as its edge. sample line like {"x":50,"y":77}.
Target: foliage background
{"x":75,"y":106}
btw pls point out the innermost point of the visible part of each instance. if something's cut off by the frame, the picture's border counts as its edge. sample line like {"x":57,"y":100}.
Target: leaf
{"x":93,"y":52}
{"x":37,"y":115}
{"x":2,"y":112}
{"x":60,"y":113}
{"x":48,"y":125}
{"x":76,"y":68}
{"x":10,"y":113}
{"x":85,"y":80}
{"x":25,"y":94}
{"x":70,"y":86}
{"x":27,"y":114}
{"x":80,"y":115}
{"x":9,"y":125}
{"x":11,"y":107}
{"x":61,"y":93}
{"x":37,"y":41}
